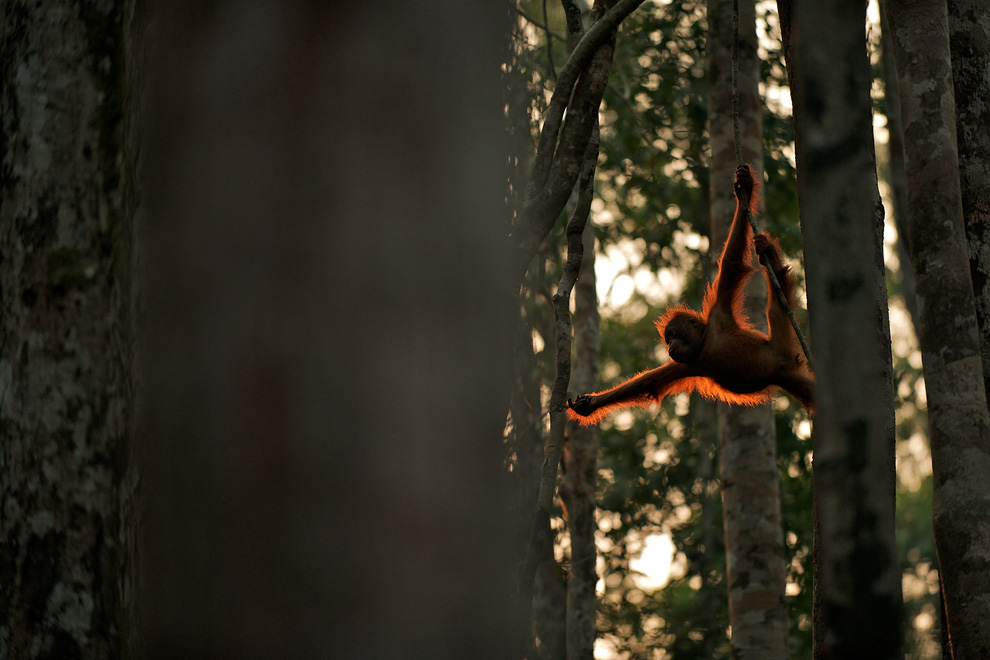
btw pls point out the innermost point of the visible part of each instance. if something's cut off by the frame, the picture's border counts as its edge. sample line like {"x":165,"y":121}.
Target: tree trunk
{"x":581,"y":468}
{"x":969,"y":46}
{"x":329,"y":319}
{"x":949,"y":333}
{"x":525,"y":441}
{"x":754,"y":540}
{"x":858,"y":586}
{"x":66,"y":338}
{"x":555,"y":166}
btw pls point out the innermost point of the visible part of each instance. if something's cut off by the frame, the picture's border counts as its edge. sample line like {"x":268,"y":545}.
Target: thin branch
{"x":580,"y":57}
{"x":735,"y":90}
{"x":540,"y":531}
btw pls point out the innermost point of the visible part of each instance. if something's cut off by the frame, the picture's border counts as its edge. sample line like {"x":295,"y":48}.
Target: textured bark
{"x":548,"y":180}
{"x":66,"y":340}
{"x":581,"y":468}
{"x":949,"y":335}
{"x":711,"y":531}
{"x":577,"y":489}
{"x":754,"y":540}
{"x":328,"y":333}
{"x":969,"y":45}
{"x":857,"y":607}
{"x":541,"y":536}
{"x":558,"y":166}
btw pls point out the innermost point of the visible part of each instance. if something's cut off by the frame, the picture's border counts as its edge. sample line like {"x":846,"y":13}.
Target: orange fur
{"x":729,"y":360}
{"x":667,"y":316}
{"x":705,"y":387}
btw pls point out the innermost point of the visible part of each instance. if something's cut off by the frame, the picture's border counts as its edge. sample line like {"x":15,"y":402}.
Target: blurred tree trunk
{"x":329,"y":333}
{"x":949,"y":332}
{"x":66,"y":338}
{"x":857,"y":585}
{"x":581,"y":468}
{"x":969,"y":45}
{"x":754,"y":539}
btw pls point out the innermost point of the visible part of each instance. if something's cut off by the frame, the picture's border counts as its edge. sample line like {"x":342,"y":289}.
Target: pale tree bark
{"x":857,"y":577}
{"x":754,"y":540}
{"x":948,"y":333}
{"x":66,"y":340}
{"x":969,"y":47}
{"x":704,"y":416}
{"x":577,"y":490}
{"x":328,"y":333}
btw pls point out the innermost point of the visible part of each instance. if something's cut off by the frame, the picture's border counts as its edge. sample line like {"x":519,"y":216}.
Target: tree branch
{"x":599,"y":33}
{"x":562,"y":144}
{"x":540,"y":531}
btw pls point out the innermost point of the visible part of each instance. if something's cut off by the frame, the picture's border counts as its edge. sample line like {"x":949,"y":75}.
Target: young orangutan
{"x":717,"y":351}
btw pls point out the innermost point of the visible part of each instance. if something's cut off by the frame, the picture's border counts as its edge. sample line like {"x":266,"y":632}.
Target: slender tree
{"x":750,"y":492}
{"x":857,"y":577}
{"x":66,"y":338}
{"x":948,"y":332}
{"x":581,"y":469}
{"x":581,"y":452}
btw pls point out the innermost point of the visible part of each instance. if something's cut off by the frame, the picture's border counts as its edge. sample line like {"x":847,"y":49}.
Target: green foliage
{"x":653,"y":133}
{"x":654,"y":174}
{"x":659,"y":467}
{"x":794,"y":459}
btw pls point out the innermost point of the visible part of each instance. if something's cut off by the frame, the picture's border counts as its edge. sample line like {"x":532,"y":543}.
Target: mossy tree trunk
{"x":948,"y":322}
{"x":66,"y":386}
